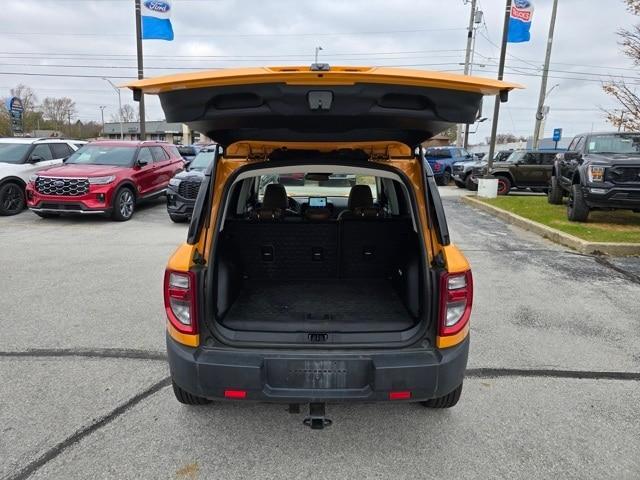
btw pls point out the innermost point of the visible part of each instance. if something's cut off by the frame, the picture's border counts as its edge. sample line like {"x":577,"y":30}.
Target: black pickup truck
{"x":598,"y":171}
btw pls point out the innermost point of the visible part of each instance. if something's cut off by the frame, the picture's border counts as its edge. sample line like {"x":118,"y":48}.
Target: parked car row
{"x":599,"y":171}
{"x":54,"y":177}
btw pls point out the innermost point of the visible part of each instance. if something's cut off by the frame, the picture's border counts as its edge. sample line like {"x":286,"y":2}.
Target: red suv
{"x":105,"y":177}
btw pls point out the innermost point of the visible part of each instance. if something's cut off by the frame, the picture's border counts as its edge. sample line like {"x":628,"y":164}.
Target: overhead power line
{"x":237,"y":35}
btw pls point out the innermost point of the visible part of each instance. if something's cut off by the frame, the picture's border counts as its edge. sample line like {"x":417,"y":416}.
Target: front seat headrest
{"x":360,"y":197}
{"x":275,"y":197}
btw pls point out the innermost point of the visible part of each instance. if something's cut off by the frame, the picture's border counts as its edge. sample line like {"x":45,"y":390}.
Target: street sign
{"x":14,"y":106}
{"x":557,"y":134}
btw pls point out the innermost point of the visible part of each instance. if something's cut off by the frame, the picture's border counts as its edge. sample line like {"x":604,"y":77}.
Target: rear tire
{"x":124,"y":204}
{"x":187,"y":398}
{"x":504,"y":186}
{"x":446,"y":401}
{"x":554,"y":193}
{"x":577,"y":208}
{"x":460,"y":184}
{"x":12,"y":199}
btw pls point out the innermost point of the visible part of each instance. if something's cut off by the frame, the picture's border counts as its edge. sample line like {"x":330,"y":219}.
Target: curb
{"x":582,"y":246}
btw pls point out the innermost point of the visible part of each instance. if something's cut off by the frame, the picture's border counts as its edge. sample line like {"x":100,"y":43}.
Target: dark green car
{"x":523,"y":169}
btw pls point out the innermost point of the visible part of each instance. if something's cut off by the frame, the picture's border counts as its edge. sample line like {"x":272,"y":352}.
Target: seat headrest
{"x":360,"y":197}
{"x":275,"y":197}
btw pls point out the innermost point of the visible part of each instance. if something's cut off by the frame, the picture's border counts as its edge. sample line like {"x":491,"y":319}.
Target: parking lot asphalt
{"x":552,"y":387}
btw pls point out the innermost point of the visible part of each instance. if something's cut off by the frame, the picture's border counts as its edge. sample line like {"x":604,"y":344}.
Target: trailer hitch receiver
{"x":316,"y":419}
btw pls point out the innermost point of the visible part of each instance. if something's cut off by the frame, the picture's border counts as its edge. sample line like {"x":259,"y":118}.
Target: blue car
{"x":441,"y":160}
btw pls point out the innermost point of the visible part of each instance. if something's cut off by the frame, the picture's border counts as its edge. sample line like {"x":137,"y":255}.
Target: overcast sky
{"x":97,"y":38}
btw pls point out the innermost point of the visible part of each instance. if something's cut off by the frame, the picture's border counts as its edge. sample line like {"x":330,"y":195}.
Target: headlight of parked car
{"x":595,"y":174}
{"x":101,"y":180}
{"x":33,"y":177}
{"x":174,"y":182}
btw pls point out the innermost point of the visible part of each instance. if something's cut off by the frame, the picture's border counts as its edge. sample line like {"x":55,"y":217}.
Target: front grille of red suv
{"x":68,"y":187}
{"x":189,"y":189}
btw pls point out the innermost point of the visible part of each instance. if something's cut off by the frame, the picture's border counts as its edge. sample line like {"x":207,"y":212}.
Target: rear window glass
{"x":318,"y":185}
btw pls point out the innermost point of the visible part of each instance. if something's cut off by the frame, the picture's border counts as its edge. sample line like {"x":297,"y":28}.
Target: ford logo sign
{"x":522,"y":3}
{"x":157,"y":6}
{"x":58,"y":183}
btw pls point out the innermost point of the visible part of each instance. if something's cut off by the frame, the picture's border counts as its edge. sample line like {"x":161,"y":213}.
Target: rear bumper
{"x":287,"y":377}
{"x":616,"y":197}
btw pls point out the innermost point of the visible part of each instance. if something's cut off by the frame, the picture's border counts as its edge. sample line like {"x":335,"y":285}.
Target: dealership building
{"x":176,"y":133}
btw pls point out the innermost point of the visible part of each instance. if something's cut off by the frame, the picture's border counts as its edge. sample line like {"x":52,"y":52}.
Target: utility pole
{"x":477,"y":20}
{"x":102,"y":107}
{"x":143,"y":129}
{"x":496,"y":108}
{"x":545,"y":75}
{"x":467,"y":58}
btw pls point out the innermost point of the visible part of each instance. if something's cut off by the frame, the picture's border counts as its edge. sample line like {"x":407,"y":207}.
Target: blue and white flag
{"x":520,"y":21}
{"x":156,"y":20}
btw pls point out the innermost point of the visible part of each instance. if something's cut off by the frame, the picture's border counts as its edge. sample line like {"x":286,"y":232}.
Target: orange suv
{"x":319,"y":291}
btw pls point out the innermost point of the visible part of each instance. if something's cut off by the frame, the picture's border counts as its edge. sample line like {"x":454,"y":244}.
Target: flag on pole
{"x":520,"y":21}
{"x":156,"y":20}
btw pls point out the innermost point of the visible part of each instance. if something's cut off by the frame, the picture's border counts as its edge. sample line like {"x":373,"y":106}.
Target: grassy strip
{"x":603,"y":226}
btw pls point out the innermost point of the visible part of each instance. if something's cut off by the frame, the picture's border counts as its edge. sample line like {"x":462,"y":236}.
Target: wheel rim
{"x":502,"y":186}
{"x":126,"y":204}
{"x":12,"y":201}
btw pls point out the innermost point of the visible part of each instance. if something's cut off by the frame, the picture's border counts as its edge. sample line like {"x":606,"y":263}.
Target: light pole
{"x":317,"y":50}
{"x":477,"y":124}
{"x":119,"y":106}
{"x":102,"y":107}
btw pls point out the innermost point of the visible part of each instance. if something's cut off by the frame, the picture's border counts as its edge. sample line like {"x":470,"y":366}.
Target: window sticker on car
{"x":592,"y":145}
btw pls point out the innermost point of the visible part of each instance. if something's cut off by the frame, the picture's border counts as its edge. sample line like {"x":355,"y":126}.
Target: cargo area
{"x":348,"y":262}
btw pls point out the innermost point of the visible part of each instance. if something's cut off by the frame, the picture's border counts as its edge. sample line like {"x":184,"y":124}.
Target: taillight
{"x":456,"y":297}
{"x":180,"y":301}
{"x":437,"y":167}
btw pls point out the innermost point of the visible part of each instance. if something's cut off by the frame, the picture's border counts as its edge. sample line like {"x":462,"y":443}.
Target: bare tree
{"x":502,"y":138}
{"x":27,"y":96}
{"x":58,"y":110}
{"x":628,"y":116}
{"x":129,"y":114}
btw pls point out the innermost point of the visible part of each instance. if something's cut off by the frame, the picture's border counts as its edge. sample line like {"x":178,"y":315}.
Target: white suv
{"x":22,"y":157}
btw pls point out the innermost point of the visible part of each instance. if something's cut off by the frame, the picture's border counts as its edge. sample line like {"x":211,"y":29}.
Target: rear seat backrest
{"x":282,"y":250}
{"x":373,"y":247}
